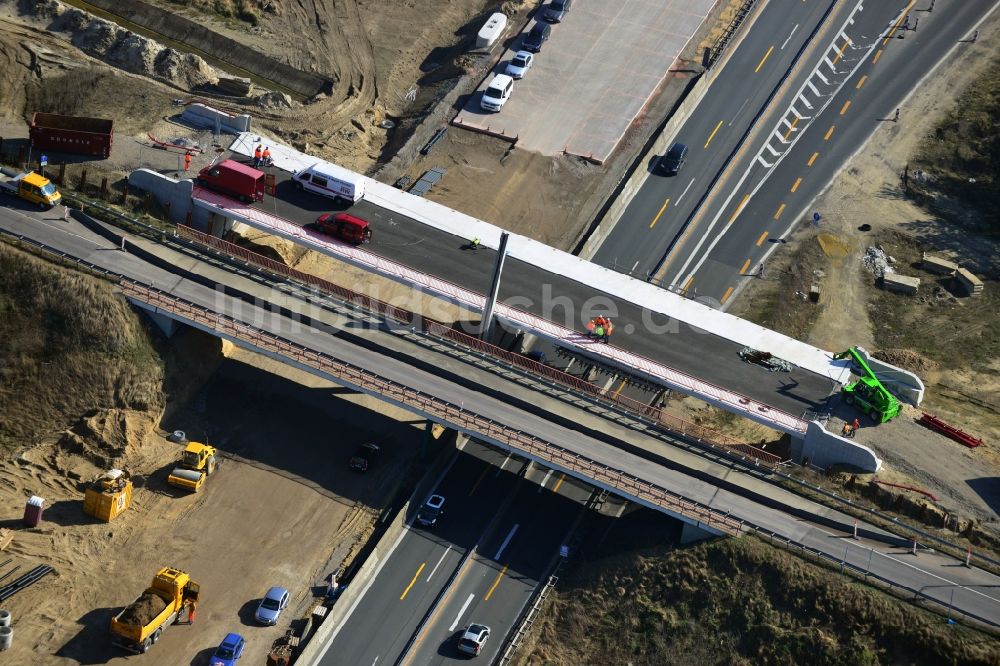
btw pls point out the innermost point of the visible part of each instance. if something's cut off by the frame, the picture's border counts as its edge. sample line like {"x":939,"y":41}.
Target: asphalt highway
{"x":937,"y":576}
{"x":891,"y":68}
{"x":498,"y":579}
{"x":422,"y":564}
{"x":498,"y":536}
{"x":658,"y":212}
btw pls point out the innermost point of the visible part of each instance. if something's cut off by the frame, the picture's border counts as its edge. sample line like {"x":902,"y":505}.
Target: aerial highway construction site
{"x":533,"y":332}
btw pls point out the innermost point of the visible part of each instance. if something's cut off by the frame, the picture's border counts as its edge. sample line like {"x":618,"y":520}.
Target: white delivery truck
{"x":332,"y":181}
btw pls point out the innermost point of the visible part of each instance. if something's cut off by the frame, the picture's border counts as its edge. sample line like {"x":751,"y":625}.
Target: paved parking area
{"x":593,"y":76}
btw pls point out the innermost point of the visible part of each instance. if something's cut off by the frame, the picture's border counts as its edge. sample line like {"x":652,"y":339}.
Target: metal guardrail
{"x":438,"y":409}
{"x":528,"y":622}
{"x":861,"y":573}
{"x":727,"y":35}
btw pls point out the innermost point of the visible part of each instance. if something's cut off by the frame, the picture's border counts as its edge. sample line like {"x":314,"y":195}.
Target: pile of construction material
{"x":235,"y":86}
{"x":969,"y":283}
{"x":880,"y":264}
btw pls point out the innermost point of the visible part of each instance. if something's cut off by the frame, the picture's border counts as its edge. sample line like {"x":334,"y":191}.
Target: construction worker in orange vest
{"x":256,"y":156}
{"x":266,"y":155}
{"x":187,"y":161}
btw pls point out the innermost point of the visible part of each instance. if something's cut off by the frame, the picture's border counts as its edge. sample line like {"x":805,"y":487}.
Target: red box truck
{"x":233,"y":179}
{"x":71,"y":134}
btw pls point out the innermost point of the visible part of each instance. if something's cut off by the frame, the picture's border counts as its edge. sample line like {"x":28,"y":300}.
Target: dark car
{"x":430,"y":511}
{"x":364,"y":457}
{"x":539,"y":35}
{"x":557,"y":10}
{"x":672,"y":162}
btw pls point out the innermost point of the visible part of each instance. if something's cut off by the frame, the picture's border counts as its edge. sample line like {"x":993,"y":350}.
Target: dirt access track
{"x":283,"y":509}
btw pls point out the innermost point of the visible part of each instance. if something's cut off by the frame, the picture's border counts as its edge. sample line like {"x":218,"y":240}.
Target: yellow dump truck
{"x":32,"y":187}
{"x":198,"y":462}
{"x":108,"y":495}
{"x":140,"y":624}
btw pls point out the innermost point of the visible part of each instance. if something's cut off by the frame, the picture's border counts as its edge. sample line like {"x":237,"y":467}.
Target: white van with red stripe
{"x":332,"y":181}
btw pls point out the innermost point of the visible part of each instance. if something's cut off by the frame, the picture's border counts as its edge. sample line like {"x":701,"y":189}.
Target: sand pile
{"x":126,"y":49}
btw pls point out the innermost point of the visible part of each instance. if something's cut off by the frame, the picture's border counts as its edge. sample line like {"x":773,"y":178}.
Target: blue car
{"x":229,"y":651}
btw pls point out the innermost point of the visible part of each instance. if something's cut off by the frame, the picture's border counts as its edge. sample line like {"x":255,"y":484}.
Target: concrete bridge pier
{"x":693,"y":534}
{"x":166,"y":324}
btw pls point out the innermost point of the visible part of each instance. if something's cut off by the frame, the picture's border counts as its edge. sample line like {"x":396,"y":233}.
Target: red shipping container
{"x":71,"y":134}
{"x":33,"y":511}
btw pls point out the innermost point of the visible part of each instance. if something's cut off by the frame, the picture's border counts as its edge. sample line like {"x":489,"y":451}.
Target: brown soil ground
{"x":949,"y":341}
{"x":309,"y":512}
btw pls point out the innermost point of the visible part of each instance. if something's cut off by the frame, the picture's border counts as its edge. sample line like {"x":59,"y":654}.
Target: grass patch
{"x":778,"y":301}
{"x":737,"y":601}
{"x":71,"y":345}
{"x":954,"y":332}
{"x":962,"y":158}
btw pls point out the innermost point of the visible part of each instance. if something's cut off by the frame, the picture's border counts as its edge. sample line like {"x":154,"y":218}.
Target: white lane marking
{"x":439,"y":563}
{"x":510,"y":535}
{"x":684,"y":192}
{"x":693,"y":263}
{"x":502,"y":465}
{"x":789,"y":37}
{"x":737,"y":114}
{"x":549,"y":473}
{"x":328,"y":641}
{"x":461,"y":612}
{"x":634,"y":265}
{"x":375,"y":662}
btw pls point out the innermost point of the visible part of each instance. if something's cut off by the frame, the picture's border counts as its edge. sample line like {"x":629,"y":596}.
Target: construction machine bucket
{"x":188,"y":479}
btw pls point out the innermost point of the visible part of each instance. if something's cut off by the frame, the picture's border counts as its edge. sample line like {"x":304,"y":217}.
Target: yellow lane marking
{"x":763,"y":236}
{"x":899,"y":22}
{"x":798,"y":181}
{"x":495,"y":583}
{"x":662,"y":208}
{"x":840,"y":53}
{"x":829,"y":133}
{"x":687,"y":285}
{"x":844,"y":108}
{"x":812,"y":159}
{"x":726,"y":295}
{"x":712,"y":135}
{"x":621,"y":387}
{"x":861,"y":82}
{"x":479,"y":480}
{"x":746,"y":265}
{"x":406,"y":591}
{"x":437,"y":612}
{"x":739,"y":209}
{"x":762,"y":60}
{"x":781,"y":209}
{"x":795,"y":121}
{"x":555,"y":488}
{"x":878,"y":54}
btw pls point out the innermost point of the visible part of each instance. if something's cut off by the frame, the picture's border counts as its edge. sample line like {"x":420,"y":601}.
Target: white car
{"x":474,"y":638}
{"x":497,"y":93}
{"x":520,"y":64}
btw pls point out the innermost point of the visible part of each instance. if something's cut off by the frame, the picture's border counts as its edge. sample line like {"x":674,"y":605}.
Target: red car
{"x":345,"y":227}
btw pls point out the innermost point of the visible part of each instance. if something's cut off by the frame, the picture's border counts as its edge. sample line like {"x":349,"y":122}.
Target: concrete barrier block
{"x":168,"y":192}
{"x":824,"y":449}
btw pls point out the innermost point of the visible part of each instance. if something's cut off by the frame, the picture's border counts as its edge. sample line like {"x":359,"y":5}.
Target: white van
{"x":332,"y":181}
{"x":497,"y":92}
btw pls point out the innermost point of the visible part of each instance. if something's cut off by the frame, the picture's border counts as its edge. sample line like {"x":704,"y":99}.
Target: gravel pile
{"x":877,"y":261}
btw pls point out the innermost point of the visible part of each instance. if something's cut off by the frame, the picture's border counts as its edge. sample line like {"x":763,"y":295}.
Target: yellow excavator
{"x":198,"y":462}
